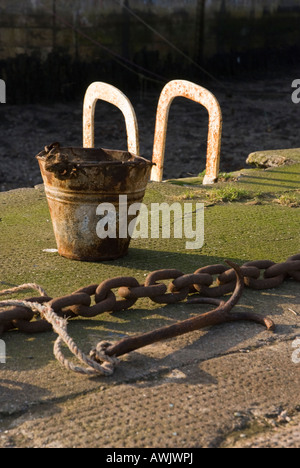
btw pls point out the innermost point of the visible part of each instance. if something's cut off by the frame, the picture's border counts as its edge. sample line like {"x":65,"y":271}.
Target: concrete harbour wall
{"x":222,"y":35}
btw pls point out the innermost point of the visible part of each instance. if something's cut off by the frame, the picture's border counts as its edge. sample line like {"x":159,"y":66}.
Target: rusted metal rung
{"x":113,"y":95}
{"x":207,"y":99}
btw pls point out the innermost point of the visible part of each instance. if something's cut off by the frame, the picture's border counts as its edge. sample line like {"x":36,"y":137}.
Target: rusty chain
{"x":206,"y":285}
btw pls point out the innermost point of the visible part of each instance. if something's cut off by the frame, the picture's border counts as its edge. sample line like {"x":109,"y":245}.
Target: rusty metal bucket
{"x":79,"y":180}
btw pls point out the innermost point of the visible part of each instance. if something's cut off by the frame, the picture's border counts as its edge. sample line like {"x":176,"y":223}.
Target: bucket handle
{"x":113,"y":95}
{"x":207,"y":99}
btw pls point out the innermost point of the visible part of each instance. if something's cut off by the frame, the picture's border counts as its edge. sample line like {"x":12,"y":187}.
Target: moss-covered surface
{"x":255,"y":180}
{"x":253,"y":215}
{"x":243,"y":221}
{"x":241,"y":229}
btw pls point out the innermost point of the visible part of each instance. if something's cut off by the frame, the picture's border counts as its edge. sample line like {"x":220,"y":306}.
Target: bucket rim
{"x":136,"y":159}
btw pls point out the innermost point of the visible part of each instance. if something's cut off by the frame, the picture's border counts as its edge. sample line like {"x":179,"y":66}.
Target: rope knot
{"x":99,"y":355}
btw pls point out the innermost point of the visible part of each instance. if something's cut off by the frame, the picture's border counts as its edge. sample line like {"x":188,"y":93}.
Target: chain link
{"x":212,"y":281}
{"x":206,"y":285}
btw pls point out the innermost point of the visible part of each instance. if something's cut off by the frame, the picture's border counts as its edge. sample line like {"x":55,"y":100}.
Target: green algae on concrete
{"x":239,"y":231}
{"x":274,"y":180}
{"x":270,"y":181}
{"x":242,"y":230}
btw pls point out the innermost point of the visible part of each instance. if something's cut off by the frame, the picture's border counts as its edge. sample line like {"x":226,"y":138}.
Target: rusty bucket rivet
{"x":78,"y":180}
